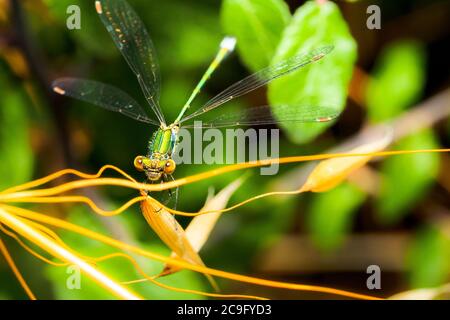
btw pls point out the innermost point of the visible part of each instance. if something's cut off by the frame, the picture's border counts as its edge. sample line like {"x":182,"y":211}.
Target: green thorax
{"x":163,"y":142}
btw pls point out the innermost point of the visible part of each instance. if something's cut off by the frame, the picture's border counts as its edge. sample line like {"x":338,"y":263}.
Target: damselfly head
{"x":154,"y":168}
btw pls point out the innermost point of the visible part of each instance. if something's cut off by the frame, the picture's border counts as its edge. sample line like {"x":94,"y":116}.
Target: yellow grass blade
{"x":423,"y":294}
{"x":180,"y":263}
{"x":74,"y":185}
{"x":331,"y":172}
{"x":104,"y":258}
{"x":15,"y":270}
{"x":165,"y":286}
{"x":171,"y":233}
{"x":40,"y":239}
{"x":31,"y":251}
{"x":80,"y":199}
{"x":61,"y":173}
{"x":200,"y":228}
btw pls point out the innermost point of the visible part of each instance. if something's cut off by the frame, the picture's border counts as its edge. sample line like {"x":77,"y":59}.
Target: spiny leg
{"x":166,"y":195}
{"x":172,"y":195}
{"x":171,"y":192}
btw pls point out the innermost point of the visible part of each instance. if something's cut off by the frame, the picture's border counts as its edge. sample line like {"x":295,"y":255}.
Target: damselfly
{"x":132,"y":39}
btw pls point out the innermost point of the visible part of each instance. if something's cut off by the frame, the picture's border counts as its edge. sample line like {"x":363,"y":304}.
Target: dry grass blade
{"x":171,"y":233}
{"x":58,"y":223}
{"x":22,"y":196}
{"x":331,"y":172}
{"x":9,"y":260}
{"x":442,"y":292}
{"x":26,"y":230}
{"x":200,"y":228}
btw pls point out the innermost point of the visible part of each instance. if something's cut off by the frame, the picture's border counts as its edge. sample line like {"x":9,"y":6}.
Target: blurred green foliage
{"x":16,"y":156}
{"x":429,"y":258}
{"x":398,"y":80}
{"x":331,"y":213}
{"x":90,"y":41}
{"x":405,"y":179}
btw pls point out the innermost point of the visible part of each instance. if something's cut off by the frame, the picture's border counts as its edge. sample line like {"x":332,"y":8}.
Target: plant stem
{"x":44,"y":242}
{"x":15,"y":270}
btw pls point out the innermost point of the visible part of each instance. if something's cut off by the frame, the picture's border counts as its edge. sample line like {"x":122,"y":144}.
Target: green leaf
{"x":407,"y":178}
{"x":398,"y":80}
{"x":257,"y":25}
{"x":16,"y":156}
{"x":324,"y":83}
{"x":429,"y":258}
{"x":330,"y":215}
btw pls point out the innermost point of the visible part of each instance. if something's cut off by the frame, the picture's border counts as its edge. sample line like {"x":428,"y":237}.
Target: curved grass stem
{"x":40,"y":239}
{"x":179,"y":263}
{"x":16,"y":271}
{"x":195,"y":178}
{"x":24,"y":222}
{"x":61,"y":173}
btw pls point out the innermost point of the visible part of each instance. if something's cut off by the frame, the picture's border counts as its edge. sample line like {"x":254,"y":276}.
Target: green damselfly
{"x":132,"y":39}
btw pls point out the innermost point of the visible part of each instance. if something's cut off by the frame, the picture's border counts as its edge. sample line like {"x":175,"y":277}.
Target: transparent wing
{"x":133,"y":41}
{"x":261,"y":78}
{"x":263,"y":116}
{"x":102,"y":95}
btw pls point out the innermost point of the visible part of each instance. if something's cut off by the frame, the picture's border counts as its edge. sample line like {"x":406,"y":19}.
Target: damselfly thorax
{"x":159,"y":160}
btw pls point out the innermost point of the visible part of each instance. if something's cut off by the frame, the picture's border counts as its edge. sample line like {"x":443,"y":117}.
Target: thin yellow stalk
{"x":180,"y":263}
{"x":80,"y":199}
{"x":31,"y":251}
{"x":108,"y":257}
{"x":16,"y":271}
{"x":58,"y":174}
{"x":331,"y":172}
{"x":172,"y":234}
{"x":198,"y":177}
{"x":422,"y":293}
{"x":327,"y":174}
{"x":46,"y":243}
{"x":228,"y":209}
{"x":165,"y":286}
{"x":200,"y":228}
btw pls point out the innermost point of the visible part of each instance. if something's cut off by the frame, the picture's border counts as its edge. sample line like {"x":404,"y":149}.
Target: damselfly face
{"x":154,"y":167}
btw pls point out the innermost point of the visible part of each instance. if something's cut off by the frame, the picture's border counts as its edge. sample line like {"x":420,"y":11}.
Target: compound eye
{"x":139,"y":163}
{"x":169,"y":167}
